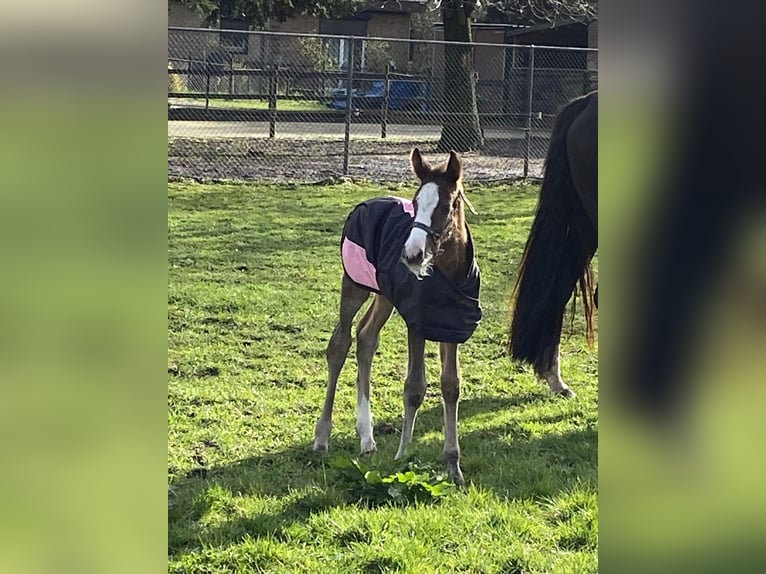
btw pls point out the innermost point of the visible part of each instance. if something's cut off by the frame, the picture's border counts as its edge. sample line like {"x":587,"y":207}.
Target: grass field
{"x":253,"y":293}
{"x":284,"y":104}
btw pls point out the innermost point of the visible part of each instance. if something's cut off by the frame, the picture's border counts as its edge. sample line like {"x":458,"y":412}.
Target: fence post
{"x":323,"y":80}
{"x":530,"y":94}
{"x":384,"y":111}
{"x":273,"y":84}
{"x":349,"y":103}
{"x":231,"y":74}
{"x":207,"y":85}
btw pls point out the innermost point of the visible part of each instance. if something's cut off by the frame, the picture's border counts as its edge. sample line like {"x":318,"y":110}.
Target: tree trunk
{"x":461,"y":130}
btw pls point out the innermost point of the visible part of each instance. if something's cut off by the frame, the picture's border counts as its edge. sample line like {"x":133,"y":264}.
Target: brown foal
{"x":439,"y":237}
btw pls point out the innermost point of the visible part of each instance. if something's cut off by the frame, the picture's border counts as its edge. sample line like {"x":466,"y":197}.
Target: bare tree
{"x":461,"y":131}
{"x":537,"y":11}
{"x":258,"y":12}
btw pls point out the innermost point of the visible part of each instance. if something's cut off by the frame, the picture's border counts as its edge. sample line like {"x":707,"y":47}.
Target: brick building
{"x":380,"y":18}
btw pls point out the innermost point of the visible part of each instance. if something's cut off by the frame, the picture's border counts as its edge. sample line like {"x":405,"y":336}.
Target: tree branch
{"x":539,"y":11}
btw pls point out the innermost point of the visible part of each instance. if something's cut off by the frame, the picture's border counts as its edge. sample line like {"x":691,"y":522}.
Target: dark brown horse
{"x":561,"y":243}
{"x":418,"y":257}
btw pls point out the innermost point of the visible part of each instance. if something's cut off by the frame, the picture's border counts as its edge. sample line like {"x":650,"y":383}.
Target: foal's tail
{"x":556,"y":257}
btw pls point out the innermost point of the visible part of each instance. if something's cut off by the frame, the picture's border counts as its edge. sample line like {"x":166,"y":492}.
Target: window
{"x":337,"y":50}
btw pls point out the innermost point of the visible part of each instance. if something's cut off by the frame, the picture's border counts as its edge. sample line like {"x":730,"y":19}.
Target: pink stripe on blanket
{"x":356,"y":265}
{"x":407,"y":205}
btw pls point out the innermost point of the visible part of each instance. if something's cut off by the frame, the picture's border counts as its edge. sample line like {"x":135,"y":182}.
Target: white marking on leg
{"x":408,"y":425}
{"x":553,"y":377}
{"x":364,"y":425}
{"x":322,"y":435}
{"x":428,"y":199}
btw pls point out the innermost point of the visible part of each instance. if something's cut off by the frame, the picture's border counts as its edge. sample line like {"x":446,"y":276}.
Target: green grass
{"x":253,"y":294}
{"x":282,"y":104}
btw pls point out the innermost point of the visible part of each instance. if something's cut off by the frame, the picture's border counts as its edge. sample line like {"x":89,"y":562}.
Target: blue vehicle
{"x":411,"y":95}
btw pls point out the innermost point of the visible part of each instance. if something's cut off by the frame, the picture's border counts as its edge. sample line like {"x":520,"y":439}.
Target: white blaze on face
{"x":428,"y":199}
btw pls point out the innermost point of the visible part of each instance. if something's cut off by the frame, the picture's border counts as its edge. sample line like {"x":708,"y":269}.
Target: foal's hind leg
{"x":367,"y":339}
{"x":552,"y":374}
{"x":450,"y":380}
{"x":414,"y":388}
{"x":351,"y":300}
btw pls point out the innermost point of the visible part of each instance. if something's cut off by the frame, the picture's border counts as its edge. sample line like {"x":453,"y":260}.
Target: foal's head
{"x":438,"y":211}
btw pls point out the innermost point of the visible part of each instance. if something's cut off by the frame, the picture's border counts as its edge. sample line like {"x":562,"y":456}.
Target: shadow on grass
{"x":297,"y":482}
{"x":281,"y":478}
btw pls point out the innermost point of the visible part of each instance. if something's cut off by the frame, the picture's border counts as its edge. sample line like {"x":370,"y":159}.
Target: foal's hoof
{"x":456,"y":475}
{"x":320,"y":446}
{"x":368,"y":446}
{"x":566,"y":393}
{"x":453,"y":468}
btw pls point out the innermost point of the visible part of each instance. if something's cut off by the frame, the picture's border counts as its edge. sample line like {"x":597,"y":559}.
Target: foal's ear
{"x":454,"y":167}
{"x":419,"y":167}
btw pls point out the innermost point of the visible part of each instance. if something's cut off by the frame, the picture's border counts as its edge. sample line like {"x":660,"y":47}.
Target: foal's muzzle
{"x":413,"y":260}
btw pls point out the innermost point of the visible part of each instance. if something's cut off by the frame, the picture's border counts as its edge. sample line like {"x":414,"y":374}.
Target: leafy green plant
{"x":405,"y":483}
{"x":176,"y":83}
{"x":317,"y":51}
{"x":376,"y":55}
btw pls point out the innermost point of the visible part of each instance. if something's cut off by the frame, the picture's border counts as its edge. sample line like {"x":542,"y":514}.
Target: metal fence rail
{"x":276,"y":106}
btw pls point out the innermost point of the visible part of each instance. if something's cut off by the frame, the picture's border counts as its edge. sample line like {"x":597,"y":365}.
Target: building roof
{"x":395,"y":6}
{"x":558,"y":23}
{"x":486,"y":26}
{"x":519,"y":29}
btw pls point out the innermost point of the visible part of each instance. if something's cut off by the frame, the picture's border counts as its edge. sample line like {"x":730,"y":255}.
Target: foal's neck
{"x":452,"y":260}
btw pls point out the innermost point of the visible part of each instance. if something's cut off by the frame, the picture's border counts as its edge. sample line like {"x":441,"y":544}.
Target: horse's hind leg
{"x":367,"y":339}
{"x":414,"y":388}
{"x":450,"y":381}
{"x":552,"y":374}
{"x":351,"y":300}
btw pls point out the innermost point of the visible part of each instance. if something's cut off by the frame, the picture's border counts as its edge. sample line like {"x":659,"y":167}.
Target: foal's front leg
{"x":450,"y":381}
{"x":414,"y":388}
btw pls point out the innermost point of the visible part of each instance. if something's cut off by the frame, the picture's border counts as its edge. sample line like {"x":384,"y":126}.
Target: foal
{"x":418,"y":257}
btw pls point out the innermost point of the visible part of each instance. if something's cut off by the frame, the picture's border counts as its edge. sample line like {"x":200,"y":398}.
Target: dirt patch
{"x":303,"y":160}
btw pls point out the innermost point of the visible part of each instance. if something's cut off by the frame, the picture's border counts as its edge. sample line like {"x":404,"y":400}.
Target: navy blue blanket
{"x":433,"y":307}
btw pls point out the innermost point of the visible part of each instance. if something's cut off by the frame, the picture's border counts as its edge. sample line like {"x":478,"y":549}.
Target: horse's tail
{"x":556,"y":257}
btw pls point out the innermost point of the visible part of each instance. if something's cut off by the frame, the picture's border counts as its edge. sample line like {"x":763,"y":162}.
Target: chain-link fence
{"x":277,"y":107}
